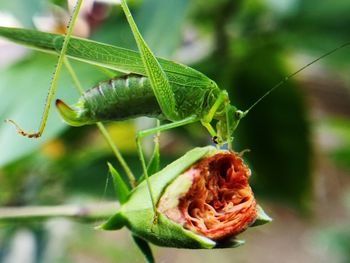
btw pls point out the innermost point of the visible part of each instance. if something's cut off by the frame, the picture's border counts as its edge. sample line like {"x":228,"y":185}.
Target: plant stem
{"x":88,"y":213}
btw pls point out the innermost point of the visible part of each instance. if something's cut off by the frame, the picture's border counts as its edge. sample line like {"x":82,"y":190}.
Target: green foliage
{"x":145,"y":248}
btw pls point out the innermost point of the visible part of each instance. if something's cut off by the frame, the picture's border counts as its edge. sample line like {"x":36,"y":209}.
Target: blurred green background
{"x":299,"y":136}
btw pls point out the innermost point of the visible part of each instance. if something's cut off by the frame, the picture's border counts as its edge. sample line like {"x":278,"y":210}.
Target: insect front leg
{"x":206,"y":119}
{"x":144,"y":133}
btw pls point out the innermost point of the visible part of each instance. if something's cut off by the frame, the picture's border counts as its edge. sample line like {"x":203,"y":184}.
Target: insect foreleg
{"x":158,"y":129}
{"x":211,"y":130}
{"x":54,"y":78}
{"x":219,"y":101}
{"x":206,"y":119}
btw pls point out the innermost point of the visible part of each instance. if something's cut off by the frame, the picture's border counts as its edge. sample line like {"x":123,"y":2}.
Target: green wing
{"x":112,"y":57}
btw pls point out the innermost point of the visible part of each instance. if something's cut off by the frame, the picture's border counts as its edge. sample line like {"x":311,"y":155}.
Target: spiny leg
{"x":159,"y":81}
{"x":144,"y":133}
{"x":54,"y":79}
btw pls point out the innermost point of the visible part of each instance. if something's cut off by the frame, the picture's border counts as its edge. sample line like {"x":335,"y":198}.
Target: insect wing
{"x":112,"y":57}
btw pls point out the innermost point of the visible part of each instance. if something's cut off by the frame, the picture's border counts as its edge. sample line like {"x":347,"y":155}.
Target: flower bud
{"x":203,"y":201}
{"x":219,"y":202}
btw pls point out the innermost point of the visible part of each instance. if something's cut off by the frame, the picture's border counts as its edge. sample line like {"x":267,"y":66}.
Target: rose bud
{"x":203,"y":201}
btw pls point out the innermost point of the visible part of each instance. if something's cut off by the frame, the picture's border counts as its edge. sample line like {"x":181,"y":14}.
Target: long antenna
{"x":283,"y":81}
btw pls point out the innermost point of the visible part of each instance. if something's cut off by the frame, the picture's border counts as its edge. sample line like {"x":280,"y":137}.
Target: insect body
{"x":132,"y":96}
{"x":156,"y":88}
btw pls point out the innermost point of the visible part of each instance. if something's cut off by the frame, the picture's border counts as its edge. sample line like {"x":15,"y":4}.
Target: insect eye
{"x":239,"y":114}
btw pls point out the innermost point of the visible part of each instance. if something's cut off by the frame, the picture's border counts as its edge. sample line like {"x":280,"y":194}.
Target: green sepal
{"x":262,"y":218}
{"x":144,"y":248}
{"x":165,"y":232}
{"x":230,"y":243}
{"x":115,"y":222}
{"x":121,"y":189}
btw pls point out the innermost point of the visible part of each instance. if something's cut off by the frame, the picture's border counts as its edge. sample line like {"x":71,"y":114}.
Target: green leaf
{"x":115,"y":222}
{"x":262,"y":217}
{"x":116,"y":58}
{"x":145,"y":248}
{"x":121,"y":189}
{"x":231,"y":243}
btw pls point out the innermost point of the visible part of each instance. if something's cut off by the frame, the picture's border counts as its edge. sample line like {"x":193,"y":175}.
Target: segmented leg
{"x":54,"y":78}
{"x":206,"y":120}
{"x":159,"y":81}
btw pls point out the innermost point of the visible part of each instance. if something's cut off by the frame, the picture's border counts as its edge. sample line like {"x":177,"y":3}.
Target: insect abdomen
{"x":120,"y":98}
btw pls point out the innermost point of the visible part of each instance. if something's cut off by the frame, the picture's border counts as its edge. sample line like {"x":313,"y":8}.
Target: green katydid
{"x":160,"y":88}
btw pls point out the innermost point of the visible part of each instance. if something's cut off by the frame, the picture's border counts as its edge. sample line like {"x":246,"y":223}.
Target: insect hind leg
{"x":54,"y":80}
